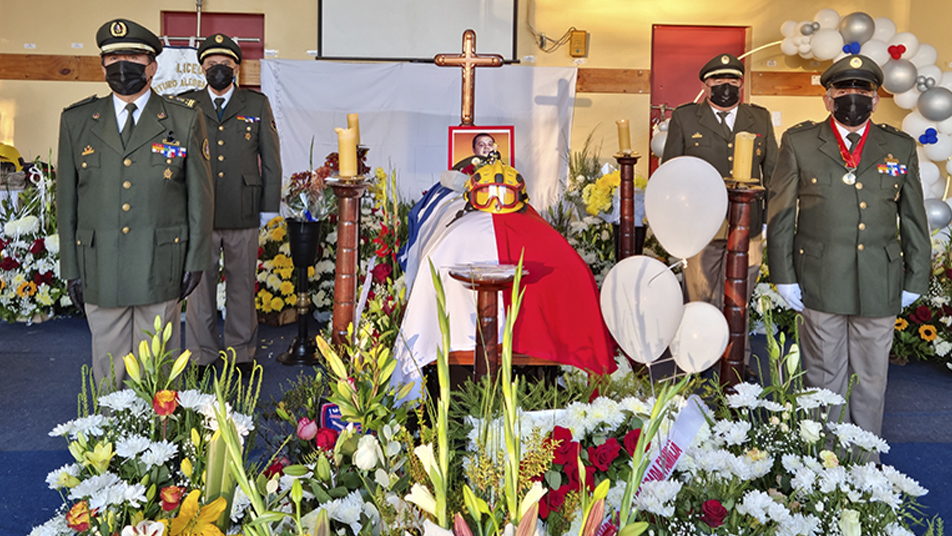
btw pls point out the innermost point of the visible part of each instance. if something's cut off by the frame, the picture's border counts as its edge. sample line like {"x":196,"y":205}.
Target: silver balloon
{"x":921,"y":88}
{"x":921,"y":80}
{"x":938,"y":213}
{"x":935,"y":104}
{"x":899,"y":76}
{"x":806,"y":29}
{"x":816,"y":26}
{"x":858,"y":27}
{"x":930,"y":82}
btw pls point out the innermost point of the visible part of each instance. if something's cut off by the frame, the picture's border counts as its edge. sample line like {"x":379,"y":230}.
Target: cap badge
{"x":725,"y":60}
{"x":218,"y":39}
{"x":118,"y":29}
{"x":856,"y":63}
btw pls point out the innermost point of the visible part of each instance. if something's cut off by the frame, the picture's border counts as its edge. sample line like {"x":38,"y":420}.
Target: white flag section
{"x":178,"y":72}
{"x":406,"y":110}
{"x":682,"y":434}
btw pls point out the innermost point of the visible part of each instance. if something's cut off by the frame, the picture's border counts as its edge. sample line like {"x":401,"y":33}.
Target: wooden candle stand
{"x":348,"y":191}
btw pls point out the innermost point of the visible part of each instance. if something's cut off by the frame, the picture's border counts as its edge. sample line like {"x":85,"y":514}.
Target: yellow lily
{"x":99,"y":457}
{"x":194,"y":520}
{"x":132,"y":367}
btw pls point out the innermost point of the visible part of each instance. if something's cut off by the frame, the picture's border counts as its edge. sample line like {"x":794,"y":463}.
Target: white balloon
{"x":657,"y":143}
{"x":941,"y":150}
{"x":805,"y":52}
{"x":907,"y":39}
{"x":927,"y":55}
{"x":826,"y":44}
{"x":685,"y":203}
{"x":945,"y":127}
{"x":936,"y":191}
{"x":828,"y":18}
{"x":946,"y":80}
{"x":915,"y":125}
{"x":840,"y":56}
{"x":921,"y":155}
{"x":907,"y":100}
{"x":788,"y":28}
{"x":876,"y":50}
{"x":930,"y":70}
{"x":701,"y":338}
{"x":885,"y":29}
{"x":788,"y":46}
{"x":948,"y":168}
{"x":928,"y":173}
{"x":642,"y":305}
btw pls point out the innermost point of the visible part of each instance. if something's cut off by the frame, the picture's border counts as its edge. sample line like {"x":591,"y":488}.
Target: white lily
{"x":421,"y":496}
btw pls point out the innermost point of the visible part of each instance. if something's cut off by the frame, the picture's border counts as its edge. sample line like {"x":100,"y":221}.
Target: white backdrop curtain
{"x":405,"y":111}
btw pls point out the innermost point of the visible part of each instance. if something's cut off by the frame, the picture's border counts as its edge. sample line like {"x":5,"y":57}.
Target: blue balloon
{"x":931,"y":132}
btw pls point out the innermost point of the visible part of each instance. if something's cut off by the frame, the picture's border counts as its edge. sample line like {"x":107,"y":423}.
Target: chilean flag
{"x":560,"y":319}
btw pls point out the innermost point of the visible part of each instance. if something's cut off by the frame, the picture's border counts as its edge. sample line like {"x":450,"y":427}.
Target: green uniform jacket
{"x":245,"y":133}
{"x":694,"y":130}
{"x":132,"y":220}
{"x":844,"y":247}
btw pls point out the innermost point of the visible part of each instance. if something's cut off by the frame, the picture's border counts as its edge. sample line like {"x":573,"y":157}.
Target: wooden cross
{"x":468,"y":60}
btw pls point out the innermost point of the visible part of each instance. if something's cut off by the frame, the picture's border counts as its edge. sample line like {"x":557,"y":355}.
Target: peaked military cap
{"x":722,"y":66}
{"x":219,"y":44}
{"x":125,"y":36}
{"x":853,"y":71}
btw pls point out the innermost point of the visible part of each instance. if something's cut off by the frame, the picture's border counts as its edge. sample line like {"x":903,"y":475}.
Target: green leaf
{"x":633,"y":529}
{"x":296,"y":470}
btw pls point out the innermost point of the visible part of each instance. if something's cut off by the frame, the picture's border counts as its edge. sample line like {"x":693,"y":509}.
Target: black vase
{"x":304,"y":238}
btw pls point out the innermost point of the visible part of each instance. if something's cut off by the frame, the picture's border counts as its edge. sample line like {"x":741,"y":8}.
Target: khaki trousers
{"x":706,"y":274}
{"x":117,"y":331}
{"x":239,"y":248}
{"x":834,"y":347}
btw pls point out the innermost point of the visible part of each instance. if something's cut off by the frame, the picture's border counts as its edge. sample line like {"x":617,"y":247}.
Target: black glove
{"x":189,"y":282}
{"x":74,"y":287}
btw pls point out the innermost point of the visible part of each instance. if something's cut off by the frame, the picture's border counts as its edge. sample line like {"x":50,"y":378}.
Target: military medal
{"x":851,"y":160}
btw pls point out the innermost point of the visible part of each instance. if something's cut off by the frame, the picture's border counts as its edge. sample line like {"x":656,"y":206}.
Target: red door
{"x":245,"y":26}
{"x":677,"y":54}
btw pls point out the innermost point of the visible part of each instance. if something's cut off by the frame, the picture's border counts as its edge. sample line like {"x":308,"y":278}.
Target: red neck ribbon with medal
{"x":851,"y":160}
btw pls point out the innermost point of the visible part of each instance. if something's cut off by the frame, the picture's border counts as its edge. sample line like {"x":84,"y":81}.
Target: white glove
{"x":908,"y":298}
{"x":454,"y":180}
{"x":790,"y":292}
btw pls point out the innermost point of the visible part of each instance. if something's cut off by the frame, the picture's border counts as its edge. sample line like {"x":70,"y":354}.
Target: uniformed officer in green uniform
{"x":841,"y":260}
{"x":706,"y":129}
{"x":134,"y":200}
{"x":242,"y":133}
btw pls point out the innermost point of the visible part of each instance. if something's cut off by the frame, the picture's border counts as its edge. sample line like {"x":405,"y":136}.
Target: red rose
{"x":9,"y":264}
{"x":603,"y":455}
{"x":571,"y":471}
{"x":277,"y":468}
{"x":171,"y":496}
{"x":38,"y":247}
{"x":713,"y":513}
{"x":326,"y":438}
{"x":543,"y":507}
{"x":165,"y":402}
{"x":631,"y":441}
{"x":567,"y":451}
{"x":921,"y":315}
{"x":555,"y":498}
{"x":382,"y":272}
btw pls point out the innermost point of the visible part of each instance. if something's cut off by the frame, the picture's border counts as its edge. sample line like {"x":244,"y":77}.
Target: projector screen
{"x":412,"y":30}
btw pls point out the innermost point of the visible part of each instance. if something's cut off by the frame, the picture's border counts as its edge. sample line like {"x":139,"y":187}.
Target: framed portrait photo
{"x":469,"y":141}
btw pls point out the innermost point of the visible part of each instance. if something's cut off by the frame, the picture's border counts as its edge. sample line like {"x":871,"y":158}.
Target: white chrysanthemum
{"x":349,"y":509}
{"x":892,"y":529}
{"x":159,"y":453}
{"x":814,"y":398}
{"x":657,"y":496}
{"x":605,"y":413}
{"x":756,"y":504}
{"x":55,"y":478}
{"x":770,"y":405}
{"x":799,"y":525}
{"x":903,"y":483}
{"x":91,"y":426}
{"x":244,"y":424}
{"x":124,"y":400}
{"x":732,"y":432}
{"x":849,"y":434}
{"x":831,"y":478}
{"x":576,"y":419}
{"x":52,"y":244}
{"x":615,"y":495}
{"x":803,"y":480}
{"x":132,"y":446}
{"x":195,"y":400}
{"x":746,"y":396}
{"x":635,"y":405}
{"x":93,"y":485}
{"x":54,"y":527}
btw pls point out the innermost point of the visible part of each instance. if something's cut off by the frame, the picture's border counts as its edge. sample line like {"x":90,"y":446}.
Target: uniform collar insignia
{"x":697,"y":135}
{"x":88,"y":150}
{"x":161,"y":115}
{"x":96,"y":115}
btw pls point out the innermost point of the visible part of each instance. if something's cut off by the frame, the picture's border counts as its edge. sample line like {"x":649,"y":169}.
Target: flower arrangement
{"x":30,"y":285}
{"x":146,"y":453}
{"x":766,"y":301}
{"x":924,"y":329}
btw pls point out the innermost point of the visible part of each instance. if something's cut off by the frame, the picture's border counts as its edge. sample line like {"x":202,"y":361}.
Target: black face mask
{"x":725,"y":95}
{"x":219,"y":76}
{"x":126,"y":77}
{"x":852,"y":109}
